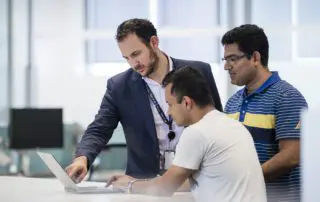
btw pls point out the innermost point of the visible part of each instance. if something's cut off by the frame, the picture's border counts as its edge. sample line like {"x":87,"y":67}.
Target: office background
{"x":60,"y":53}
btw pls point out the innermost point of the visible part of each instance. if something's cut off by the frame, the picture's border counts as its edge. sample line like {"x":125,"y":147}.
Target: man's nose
{"x":133,"y":62}
{"x":227,"y":66}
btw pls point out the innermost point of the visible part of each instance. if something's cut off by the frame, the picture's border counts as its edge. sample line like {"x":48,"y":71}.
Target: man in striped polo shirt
{"x":269,"y":108}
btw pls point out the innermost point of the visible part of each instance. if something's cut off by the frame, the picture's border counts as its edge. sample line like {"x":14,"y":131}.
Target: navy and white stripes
{"x":272,"y":113}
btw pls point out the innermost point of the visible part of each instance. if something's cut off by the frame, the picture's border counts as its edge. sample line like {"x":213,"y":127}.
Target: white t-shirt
{"x":222,"y":152}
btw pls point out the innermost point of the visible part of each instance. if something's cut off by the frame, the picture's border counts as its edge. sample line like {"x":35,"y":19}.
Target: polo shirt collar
{"x":274,"y":78}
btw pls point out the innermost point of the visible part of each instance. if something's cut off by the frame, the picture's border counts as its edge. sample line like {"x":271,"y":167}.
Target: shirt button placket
{"x":243,"y":110}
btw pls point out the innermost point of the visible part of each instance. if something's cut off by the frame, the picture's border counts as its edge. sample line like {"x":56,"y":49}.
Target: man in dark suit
{"x":135,"y":98}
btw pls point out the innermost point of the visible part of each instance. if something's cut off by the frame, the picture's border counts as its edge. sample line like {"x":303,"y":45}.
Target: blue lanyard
{"x":171,"y":134}
{"x":160,"y":111}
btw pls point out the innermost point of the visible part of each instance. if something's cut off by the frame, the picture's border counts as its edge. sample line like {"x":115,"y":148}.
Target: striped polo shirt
{"x":271,"y":113}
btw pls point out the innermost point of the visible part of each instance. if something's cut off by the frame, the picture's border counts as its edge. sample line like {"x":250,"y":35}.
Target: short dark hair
{"x":188,"y":81}
{"x":143,"y":28}
{"x":249,"y":38}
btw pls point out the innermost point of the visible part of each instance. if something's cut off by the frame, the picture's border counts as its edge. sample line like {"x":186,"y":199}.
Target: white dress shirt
{"x":161,"y":127}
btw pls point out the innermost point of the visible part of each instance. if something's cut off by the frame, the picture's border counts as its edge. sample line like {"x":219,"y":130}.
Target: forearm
{"x":90,"y":146}
{"x":100,"y":131}
{"x":185,"y":187}
{"x":154,"y":186}
{"x":279,"y":165}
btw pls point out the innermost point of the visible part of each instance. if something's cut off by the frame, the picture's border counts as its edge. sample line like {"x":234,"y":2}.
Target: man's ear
{"x":188,"y":102}
{"x":256,"y":56}
{"x":154,"y":42}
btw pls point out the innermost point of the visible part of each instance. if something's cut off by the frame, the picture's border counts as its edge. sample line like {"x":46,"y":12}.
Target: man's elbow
{"x":294,"y":162}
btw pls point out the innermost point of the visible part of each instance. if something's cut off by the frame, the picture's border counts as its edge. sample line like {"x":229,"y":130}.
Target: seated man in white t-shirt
{"x":215,"y":153}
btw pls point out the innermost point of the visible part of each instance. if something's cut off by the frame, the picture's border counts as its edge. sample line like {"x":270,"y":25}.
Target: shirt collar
{"x":274,"y":78}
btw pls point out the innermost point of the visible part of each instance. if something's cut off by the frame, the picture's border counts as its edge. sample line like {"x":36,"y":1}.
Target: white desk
{"x":14,"y":189}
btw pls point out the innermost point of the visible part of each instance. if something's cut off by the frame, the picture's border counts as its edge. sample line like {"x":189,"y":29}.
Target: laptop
{"x":69,"y":184}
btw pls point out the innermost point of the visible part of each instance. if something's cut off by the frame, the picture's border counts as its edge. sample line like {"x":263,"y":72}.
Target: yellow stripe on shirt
{"x":266,"y":121}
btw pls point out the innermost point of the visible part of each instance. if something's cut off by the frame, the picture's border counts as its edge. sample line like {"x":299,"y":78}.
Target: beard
{"x":152,"y":66}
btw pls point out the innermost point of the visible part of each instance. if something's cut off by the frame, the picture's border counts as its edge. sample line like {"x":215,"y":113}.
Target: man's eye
{"x":232,"y":59}
{"x":135,"y":54}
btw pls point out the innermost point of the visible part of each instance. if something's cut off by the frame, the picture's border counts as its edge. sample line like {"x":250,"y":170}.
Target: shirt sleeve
{"x":288,"y":114}
{"x":190,"y":150}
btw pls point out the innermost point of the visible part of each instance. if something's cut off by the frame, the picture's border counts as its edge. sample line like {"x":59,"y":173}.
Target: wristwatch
{"x":130,"y":184}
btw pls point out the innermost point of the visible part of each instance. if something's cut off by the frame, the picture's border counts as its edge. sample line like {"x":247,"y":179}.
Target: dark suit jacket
{"x":126,"y":100}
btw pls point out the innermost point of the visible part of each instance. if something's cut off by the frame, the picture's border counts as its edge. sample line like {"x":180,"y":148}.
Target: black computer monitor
{"x":31,"y":128}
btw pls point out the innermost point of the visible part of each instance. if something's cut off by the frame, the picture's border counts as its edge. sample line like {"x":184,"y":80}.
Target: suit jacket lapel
{"x":141,"y":100}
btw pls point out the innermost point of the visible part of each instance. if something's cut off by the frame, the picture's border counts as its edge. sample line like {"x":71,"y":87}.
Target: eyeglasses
{"x":232,"y":59}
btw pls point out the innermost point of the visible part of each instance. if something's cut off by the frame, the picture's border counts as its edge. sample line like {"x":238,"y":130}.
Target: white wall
{"x":19,"y":51}
{"x":59,"y":58}
{"x":3,"y":63}
{"x":302,"y":74}
{"x":310,"y":160}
